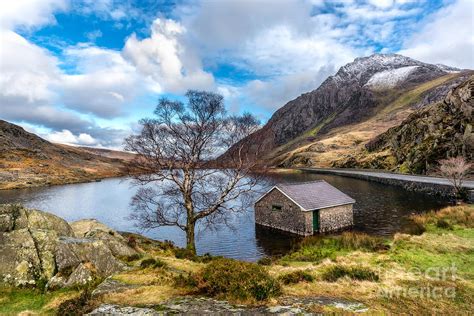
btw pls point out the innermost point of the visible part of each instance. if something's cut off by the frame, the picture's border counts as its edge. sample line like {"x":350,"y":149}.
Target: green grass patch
{"x":317,"y":248}
{"x":423,"y":256}
{"x":15,"y":300}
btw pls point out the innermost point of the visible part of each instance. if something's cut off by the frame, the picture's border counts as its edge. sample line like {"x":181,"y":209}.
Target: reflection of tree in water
{"x":273,"y":242}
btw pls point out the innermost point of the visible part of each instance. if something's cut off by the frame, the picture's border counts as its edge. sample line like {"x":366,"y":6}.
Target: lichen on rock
{"x":37,"y":246}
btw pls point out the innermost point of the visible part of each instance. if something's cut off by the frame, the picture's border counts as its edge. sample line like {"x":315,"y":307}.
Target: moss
{"x":403,"y":168}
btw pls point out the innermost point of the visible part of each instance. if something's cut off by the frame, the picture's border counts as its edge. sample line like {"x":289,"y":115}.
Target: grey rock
{"x":82,"y":275}
{"x":37,"y":245}
{"x":108,"y":309}
{"x":111,"y":286}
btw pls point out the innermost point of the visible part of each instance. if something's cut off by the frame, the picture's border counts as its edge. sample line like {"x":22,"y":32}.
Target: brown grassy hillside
{"x":27,"y":160}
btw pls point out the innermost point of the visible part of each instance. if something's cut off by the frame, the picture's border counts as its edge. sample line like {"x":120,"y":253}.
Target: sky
{"x":83,"y":72}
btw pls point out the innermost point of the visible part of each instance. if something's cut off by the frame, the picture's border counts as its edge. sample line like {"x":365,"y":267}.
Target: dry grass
{"x":144,"y":295}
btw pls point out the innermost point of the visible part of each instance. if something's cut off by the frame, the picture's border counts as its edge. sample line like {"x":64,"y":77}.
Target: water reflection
{"x":379,"y":209}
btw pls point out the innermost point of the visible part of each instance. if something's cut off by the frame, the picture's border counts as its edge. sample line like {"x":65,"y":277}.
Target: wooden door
{"x":316,"y":221}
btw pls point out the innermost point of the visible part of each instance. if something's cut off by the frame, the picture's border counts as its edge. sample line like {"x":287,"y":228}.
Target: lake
{"x":380,"y":210}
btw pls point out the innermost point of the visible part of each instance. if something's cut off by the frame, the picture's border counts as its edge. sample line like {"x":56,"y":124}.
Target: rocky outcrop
{"x":36,"y":246}
{"x":441,"y":130}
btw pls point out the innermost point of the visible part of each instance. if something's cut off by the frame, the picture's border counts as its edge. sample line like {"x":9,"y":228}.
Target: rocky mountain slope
{"x":362,"y":100}
{"x":28,"y":160}
{"x":440,"y":130}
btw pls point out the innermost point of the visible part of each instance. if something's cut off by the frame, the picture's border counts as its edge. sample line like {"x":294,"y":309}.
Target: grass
{"x":317,"y":248}
{"x":432,"y":271}
{"x":14,"y":300}
{"x":388,"y":276}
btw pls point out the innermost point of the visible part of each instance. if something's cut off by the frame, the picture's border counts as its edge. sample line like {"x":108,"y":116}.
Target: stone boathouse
{"x":305,"y":208}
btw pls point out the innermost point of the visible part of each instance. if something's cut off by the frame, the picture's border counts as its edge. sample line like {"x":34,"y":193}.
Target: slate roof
{"x":314,"y":195}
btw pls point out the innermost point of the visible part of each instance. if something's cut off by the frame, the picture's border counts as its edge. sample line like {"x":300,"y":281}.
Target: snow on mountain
{"x":390,"y":78}
{"x":363,"y":68}
{"x":448,"y":68}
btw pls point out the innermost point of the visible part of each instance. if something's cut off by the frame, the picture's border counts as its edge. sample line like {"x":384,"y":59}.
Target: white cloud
{"x":29,"y":13}
{"x":104,"y":83}
{"x":93,"y":35}
{"x":27,"y":71}
{"x":164,"y":58}
{"x":446,"y":37}
{"x":66,"y":137}
{"x":273,"y":94}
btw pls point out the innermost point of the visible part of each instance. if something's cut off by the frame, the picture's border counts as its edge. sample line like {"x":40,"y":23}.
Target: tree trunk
{"x":190,"y":242}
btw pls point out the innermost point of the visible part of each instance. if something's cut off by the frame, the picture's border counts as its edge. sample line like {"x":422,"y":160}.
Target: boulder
{"x":19,"y":259}
{"x":36,"y":245}
{"x":93,"y":229}
{"x":72,"y":251}
{"x":83,"y":274}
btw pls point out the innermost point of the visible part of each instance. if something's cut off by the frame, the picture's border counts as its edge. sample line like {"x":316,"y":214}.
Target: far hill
{"x":27,"y":160}
{"x":365,"y":98}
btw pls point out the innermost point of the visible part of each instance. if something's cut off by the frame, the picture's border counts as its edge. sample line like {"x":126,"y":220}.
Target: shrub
{"x":185,"y":281}
{"x":417,"y":225}
{"x":152,"y":263}
{"x":132,"y":242}
{"x":458,"y":215}
{"x":444,"y":224}
{"x":265,"y":261}
{"x":183,"y":253}
{"x":77,"y":306}
{"x":334,"y":273}
{"x":131,"y":258}
{"x":237,"y":280}
{"x":296,"y":277}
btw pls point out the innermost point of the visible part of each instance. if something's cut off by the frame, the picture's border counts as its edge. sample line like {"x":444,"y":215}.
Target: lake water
{"x":380,"y":210}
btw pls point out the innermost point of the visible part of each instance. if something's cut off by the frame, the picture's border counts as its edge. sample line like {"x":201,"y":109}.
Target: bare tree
{"x":455,"y":170}
{"x":181,"y":181}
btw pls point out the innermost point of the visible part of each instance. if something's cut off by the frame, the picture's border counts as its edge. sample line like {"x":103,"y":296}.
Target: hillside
{"x":439,"y":130}
{"x":27,"y":160}
{"x":362,"y":100}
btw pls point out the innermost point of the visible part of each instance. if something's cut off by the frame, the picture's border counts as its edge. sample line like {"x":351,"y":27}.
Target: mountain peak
{"x":363,"y":68}
{"x":384,"y":70}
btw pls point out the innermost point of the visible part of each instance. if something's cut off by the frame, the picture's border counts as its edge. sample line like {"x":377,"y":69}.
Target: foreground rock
{"x":191,"y":305}
{"x":38,"y":247}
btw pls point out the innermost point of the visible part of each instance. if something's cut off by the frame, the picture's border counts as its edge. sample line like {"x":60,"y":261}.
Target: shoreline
{"x":21,"y":186}
{"x":424,"y":184}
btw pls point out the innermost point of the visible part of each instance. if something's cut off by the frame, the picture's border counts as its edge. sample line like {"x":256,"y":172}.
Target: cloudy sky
{"x":84,"y":72}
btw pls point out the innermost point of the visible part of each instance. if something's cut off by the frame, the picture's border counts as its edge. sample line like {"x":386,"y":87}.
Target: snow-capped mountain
{"x":357,"y":92}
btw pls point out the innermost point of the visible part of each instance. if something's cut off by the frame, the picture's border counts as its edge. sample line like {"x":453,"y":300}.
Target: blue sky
{"x":84,"y":72}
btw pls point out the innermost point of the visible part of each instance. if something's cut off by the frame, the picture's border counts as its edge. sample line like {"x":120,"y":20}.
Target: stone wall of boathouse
{"x":290,"y":218}
{"x":336,"y":218}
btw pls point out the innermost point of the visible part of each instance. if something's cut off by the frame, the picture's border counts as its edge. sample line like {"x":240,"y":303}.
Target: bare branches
{"x":455,"y":170}
{"x":175,"y":151}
